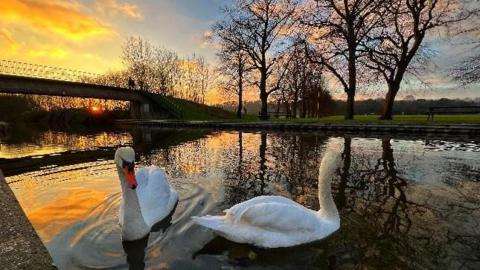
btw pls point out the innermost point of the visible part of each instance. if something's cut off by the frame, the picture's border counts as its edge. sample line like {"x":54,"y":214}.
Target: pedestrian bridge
{"x":30,"y":79}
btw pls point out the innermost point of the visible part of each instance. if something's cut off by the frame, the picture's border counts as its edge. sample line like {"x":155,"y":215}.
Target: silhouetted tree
{"x":336,"y":30}
{"x":166,"y":71}
{"x":137,"y":55}
{"x":305,"y":89}
{"x":395,"y":48}
{"x":259,"y":28}
{"x":195,"y":78}
{"x":158,"y":70}
{"x":468,"y":71}
{"x":234,"y":68}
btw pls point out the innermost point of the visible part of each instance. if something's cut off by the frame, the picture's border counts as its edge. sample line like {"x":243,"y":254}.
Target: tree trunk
{"x":240,"y":93}
{"x":304,"y":109}
{"x":240,"y":105}
{"x":350,"y":105}
{"x":287,"y":109}
{"x":277,"y":111}
{"x":263,"y":96}
{"x":295,"y":104}
{"x":387,"y":112}
{"x":352,"y":79}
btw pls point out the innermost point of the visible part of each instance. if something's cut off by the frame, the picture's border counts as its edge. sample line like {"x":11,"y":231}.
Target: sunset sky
{"x":87,"y":35}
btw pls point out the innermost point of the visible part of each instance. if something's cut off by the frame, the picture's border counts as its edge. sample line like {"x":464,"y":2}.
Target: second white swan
{"x":275,"y":221}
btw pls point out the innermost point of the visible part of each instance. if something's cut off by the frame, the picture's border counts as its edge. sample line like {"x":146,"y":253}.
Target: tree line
{"x":152,"y":68}
{"x":365,"y":107}
{"x":287,"y":48}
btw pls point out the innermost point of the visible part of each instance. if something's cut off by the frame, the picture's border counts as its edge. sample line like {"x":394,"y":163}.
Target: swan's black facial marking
{"x":128,"y":165}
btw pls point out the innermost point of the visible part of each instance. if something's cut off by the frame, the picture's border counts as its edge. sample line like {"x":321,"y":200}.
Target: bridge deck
{"x":38,"y":86}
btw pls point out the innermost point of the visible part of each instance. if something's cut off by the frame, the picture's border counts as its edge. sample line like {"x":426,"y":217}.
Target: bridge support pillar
{"x":135,"y":110}
{"x":140,"y":110}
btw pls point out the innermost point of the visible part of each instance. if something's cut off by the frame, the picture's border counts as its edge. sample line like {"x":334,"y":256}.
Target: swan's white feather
{"x":156,"y":196}
{"x":281,"y":217}
{"x":235,"y":211}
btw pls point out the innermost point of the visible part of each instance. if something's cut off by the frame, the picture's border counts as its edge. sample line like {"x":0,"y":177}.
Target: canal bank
{"x":20,"y":246}
{"x":465,"y":129}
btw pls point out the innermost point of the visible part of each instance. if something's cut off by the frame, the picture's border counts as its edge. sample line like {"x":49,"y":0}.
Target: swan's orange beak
{"x":131,"y":179}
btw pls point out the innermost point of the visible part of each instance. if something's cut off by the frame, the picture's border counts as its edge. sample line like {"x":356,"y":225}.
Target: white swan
{"x":147,"y":196}
{"x":275,"y":221}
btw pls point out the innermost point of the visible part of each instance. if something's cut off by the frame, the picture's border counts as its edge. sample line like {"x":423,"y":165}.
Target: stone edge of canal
{"x":20,"y":246}
{"x":350,"y":127}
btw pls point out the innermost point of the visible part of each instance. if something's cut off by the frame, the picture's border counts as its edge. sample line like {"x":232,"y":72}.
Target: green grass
{"x":182,"y":109}
{"x":407,"y":119}
{"x":194,"y":111}
{"x":413,"y":119}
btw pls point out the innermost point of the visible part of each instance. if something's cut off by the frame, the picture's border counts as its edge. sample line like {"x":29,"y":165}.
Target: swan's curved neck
{"x":328,"y":209}
{"x":132,"y":215}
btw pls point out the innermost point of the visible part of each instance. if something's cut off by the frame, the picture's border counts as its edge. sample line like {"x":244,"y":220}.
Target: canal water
{"x":405,"y":202}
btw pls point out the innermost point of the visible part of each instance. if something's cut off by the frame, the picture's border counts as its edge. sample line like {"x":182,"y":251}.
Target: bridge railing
{"x":9,"y":67}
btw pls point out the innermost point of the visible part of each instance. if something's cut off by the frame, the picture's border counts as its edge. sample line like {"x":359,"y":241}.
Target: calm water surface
{"x":405,"y":202}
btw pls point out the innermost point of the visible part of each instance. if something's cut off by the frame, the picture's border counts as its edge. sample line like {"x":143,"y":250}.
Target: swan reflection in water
{"x":135,"y":250}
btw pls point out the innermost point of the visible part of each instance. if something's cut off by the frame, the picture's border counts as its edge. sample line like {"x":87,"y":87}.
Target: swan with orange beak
{"x":147,"y":196}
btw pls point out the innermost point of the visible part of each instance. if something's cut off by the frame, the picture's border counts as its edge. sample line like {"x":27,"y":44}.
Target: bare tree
{"x":204,"y":74}
{"x":234,"y":68}
{"x":297,"y":76}
{"x":158,"y":70}
{"x":468,"y":70}
{"x":165,"y":70}
{"x":305,"y":87}
{"x":195,"y":79}
{"x":396,"y":47}
{"x":137,"y":56}
{"x":336,"y":30}
{"x":260,"y":29}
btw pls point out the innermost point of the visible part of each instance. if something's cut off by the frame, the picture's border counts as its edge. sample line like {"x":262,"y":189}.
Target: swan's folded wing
{"x":236,"y":211}
{"x":153,"y":194}
{"x":278,"y":217}
{"x":142,"y":176}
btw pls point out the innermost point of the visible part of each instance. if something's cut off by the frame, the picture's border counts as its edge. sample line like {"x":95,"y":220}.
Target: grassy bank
{"x":182,"y":109}
{"x":410,"y":119}
{"x":414,"y":119}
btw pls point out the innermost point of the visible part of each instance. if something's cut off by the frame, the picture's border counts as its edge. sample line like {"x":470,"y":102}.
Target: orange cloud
{"x":53,"y":16}
{"x":114,"y":7}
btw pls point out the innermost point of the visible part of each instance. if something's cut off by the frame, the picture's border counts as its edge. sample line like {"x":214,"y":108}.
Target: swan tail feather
{"x":215,"y":223}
